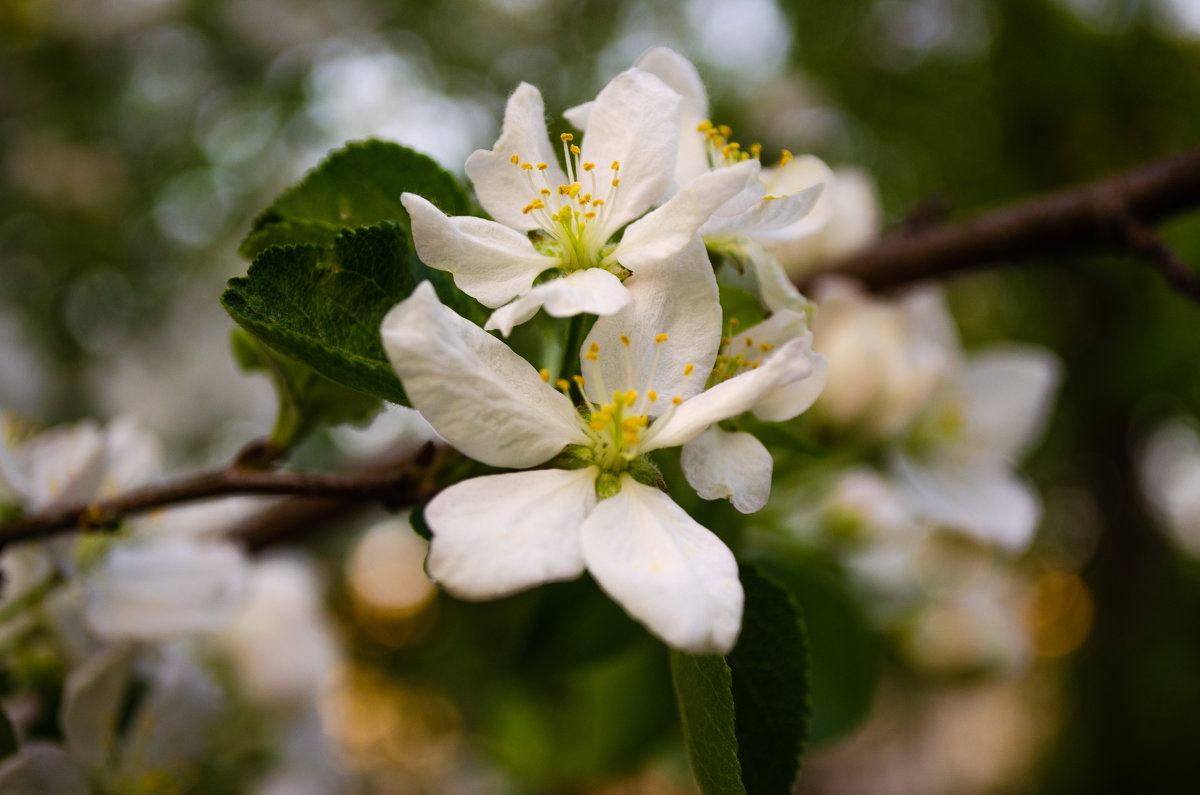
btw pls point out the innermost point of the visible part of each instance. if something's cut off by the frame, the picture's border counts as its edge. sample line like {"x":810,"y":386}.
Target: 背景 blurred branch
{"x":1114,"y":214}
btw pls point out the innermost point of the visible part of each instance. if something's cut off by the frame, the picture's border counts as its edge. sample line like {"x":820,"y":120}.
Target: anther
{"x":527,"y":166}
{"x":652,"y":395}
{"x":545,"y":374}
{"x":574,"y":149}
{"x":588,"y":166}
{"x":704,"y":126}
{"x":749,"y":342}
{"x":616,"y":166}
{"x":542,"y":166}
{"x":562,"y":384}
{"x":677,"y":400}
{"x":567,"y":137}
{"x":616,"y":182}
{"x":785,"y":157}
{"x":766,"y":346}
{"x":625,"y":340}
{"x":660,"y":339}
{"x":514,"y":160}
{"x":578,"y":379}
{"x":688,"y":368}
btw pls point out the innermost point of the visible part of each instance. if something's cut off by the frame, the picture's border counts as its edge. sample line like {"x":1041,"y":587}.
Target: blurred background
{"x":139,"y":138}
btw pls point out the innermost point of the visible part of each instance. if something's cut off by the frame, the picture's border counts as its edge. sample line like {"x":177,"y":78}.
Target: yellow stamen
{"x":567,"y":137}
{"x":578,"y":379}
{"x":677,"y":400}
{"x":514,"y":160}
{"x":574,"y":149}
{"x":785,"y":157}
{"x":652,"y":395}
{"x":527,"y":166}
{"x":588,"y":166}
{"x":704,"y":126}
{"x":542,"y":166}
{"x":616,"y":166}
{"x":562,"y":383}
{"x":660,"y":339}
{"x":625,"y":340}
{"x":766,"y":346}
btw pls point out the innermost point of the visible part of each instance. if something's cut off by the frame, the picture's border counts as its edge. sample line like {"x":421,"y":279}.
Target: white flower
{"x":565,"y":219}
{"x":644,"y":372}
{"x":769,"y":210}
{"x":1170,"y":476}
{"x":886,"y":356}
{"x":957,"y":466}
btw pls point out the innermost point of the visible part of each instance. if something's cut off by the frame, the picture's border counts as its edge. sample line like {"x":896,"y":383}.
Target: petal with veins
{"x":668,"y":572}
{"x":499,"y":534}
{"x":677,"y":298}
{"x":665,"y":231}
{"x":734,"y":466}
{"x":679,"y":73}
{"x":475,"y":391}
{"x":593,"y":291}
{"x":503,"y":188}
{"x":788,"y":364}
{"x":634,"y":121}
{"x":769,"y":218}
{"x":490,"y":262}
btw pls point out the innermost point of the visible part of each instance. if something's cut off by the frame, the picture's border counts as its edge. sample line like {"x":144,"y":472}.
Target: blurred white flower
{"x":1170,"y":477}
{"x":847,"y":217}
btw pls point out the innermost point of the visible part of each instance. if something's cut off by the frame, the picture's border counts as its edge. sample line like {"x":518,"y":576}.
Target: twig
{"x":1143,"y":240}
{"x":394,"y":486}
{"x":1092,"y":218}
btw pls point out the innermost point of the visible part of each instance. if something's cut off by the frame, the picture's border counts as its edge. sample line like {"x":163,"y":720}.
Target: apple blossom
{"x":565,"y":218}
{"x":642,"y":389}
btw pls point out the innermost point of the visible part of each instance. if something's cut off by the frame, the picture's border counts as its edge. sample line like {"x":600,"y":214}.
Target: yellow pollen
{"x":545,"y":191}
{"x":755,"y":365}
{"x":514,"y":160}
{"x":749,"y":342}
{"x":594,"y":348}
{"x":573,"y":189}
{"x":597,"y":202}
{"x":725,"y":130}
{"x":588,"y":166}
{"x":527,"y":166}
{"x":766,"y":346}
{"x":574,"y":149}
{"x":688,"y":368}
{"x":704,"y":126}
{"x":652,"y":395}
{"x":542,"y":166}
{"x":597,"y":425}
{"x":625,"y":340}
{"x":725,"y":341}
{"x":733,"y":322}
{"x":567,"y":137}
{"x":562,"y":384}
{"x":616,"y":182}
{"x":677,"y":400}
{"x":631,"y":438}
{"x":785,"y":157}
{"x":545,"y":374}
{"x":616,"y":166}
{"x":589,"y":215}
{"x":590,"y":355}
{"x":631,"y":397}
{"x":660,"y":339}
{"x":755,"y":150}
{"x":578,"y":379}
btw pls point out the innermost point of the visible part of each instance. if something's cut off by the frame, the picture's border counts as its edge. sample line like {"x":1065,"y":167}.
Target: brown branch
{"x":1089,"y":219}
{"x":394,"y":485}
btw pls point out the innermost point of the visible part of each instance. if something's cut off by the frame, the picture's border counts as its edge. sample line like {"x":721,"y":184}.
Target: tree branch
{"x":394,"y":485}
{"x":1088,"y":219}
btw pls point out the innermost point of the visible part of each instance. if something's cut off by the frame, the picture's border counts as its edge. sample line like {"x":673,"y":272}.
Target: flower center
{"x":572,"y":215}
{"x":619,"y":428}
{"x":737,"y":355}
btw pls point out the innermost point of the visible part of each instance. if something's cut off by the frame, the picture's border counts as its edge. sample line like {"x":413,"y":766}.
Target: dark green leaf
{"x":704,"y":690}
{"x":324,"y":306}
{"x":358,"y":185}
{"x":306,"y":398}
{"x":843,"y":653}
{"x":770,"y":686}
{"x":741,"y":305}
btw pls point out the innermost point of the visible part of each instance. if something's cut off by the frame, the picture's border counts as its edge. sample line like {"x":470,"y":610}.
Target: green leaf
{"x":844,"y":655}
{"x":358,"y":185}
{"x":745,"y":716}
{"x":323,"y":306}
{"x":8,"y":736}
{"x":740,"y":304}
{"x":770,"y":686}
{"x":306,"y":398}
{"x":704,"y":690}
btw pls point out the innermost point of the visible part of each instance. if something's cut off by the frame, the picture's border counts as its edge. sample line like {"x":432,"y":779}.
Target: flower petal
{"x":635,"y":122}
{"x":165,"y":589}
{"x":92,"y":697}
{"x":40,"y":768}
{"x":63,"y":464}
{"x":788,"y":364}
{"x":490,"y":262}
{"x":502,"y":187}
{"x":770,"y":218}
{"x":677,"y":298}
{"x":171,"y":729}
{"x":593,"y":291}
{"x":734,"y":466}
{"x":680,"y":74}
{"x":668,"y":572}
{"x":775,"y":289}
{"x":664,"y":232}
{"x":475,"y":391}
{"x":495,"y":535}
{"x":1010,"y":394}
{"x":985,"y":500}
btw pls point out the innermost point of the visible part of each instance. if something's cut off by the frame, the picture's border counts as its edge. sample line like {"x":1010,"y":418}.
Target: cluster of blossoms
{"x":620,"y":230}
{"x":164,"y":615}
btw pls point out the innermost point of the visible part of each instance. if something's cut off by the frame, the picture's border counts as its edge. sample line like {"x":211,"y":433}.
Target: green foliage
{"x":306,"y":399}
{"x":323,"y":307}
{"x":745,"y":716}
{"x":358,"y":185}
{"x":740,"y":304}
{"x":331,"y":256}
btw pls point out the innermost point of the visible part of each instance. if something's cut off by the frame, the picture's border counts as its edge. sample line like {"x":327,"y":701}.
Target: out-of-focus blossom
{"x":1170,"y":477}
{"x":885,"y":356}
{"x":847,"y":217}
